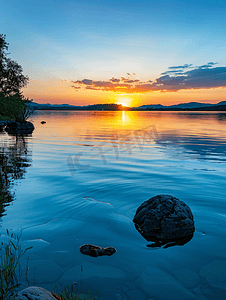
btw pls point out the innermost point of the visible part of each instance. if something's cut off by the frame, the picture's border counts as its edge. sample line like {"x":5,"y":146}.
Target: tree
{"x":15,"y":107}
{"x":12,"y":102}
{"x":11,"y":73}
{"x":3,"y":46}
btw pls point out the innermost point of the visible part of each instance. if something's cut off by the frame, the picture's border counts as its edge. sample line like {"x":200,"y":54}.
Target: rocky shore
{"x":17,"y":127}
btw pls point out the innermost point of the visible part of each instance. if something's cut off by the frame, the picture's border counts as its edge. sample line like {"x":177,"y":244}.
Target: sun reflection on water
{"x":123,"y":117}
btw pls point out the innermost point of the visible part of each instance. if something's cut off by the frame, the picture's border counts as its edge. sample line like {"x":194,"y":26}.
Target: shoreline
{"x":130,"y":109}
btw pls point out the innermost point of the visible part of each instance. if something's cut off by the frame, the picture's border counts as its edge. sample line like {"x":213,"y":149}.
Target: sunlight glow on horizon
{"x":124,"y":100}
{"x":50,"y":92}
{"x":57,"y":91}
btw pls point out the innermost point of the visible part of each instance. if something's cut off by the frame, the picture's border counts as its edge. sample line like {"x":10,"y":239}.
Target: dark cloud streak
{"x":180,"y":67}
{"x":176,"y":78}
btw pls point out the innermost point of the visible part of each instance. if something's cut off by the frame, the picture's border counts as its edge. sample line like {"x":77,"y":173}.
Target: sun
{"x":124,"y":101}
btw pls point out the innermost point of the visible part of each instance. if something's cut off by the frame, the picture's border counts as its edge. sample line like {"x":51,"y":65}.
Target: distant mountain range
{"x":189,"y":105}
{"x":111,"y":106}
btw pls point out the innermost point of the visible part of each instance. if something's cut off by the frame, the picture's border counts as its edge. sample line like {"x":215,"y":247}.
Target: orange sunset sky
{"x":131,"y":53}
{"x":59,"y":92}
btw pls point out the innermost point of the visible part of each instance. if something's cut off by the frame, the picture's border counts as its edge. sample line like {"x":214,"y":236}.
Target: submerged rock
{"x":187,"y":277}
{"x":215,"y":274}
{"x":165,"y":220}
{"x":96,"y":277}
{"x":44,"y":271}
{"x":96,"y":251}
{"x":35,"y":293}
{"x":158,"y":284}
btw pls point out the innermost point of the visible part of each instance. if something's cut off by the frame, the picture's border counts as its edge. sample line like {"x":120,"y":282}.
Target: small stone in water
{"x":96,"y":251}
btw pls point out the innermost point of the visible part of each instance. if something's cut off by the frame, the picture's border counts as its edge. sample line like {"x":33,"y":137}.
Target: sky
{"x":125,"y":52}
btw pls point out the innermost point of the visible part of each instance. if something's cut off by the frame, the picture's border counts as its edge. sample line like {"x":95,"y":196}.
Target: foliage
{"x":11,"y":73}
{"x":16,"y":107}
{"x":4,"y":118}
{"x":12,"y":103}
{"x":69,"y":294}
{"x":10,"y":255}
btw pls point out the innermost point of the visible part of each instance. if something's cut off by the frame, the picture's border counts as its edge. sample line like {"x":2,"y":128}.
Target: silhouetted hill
{"x":221,"y":106}
{"x":210,"y":108}
{"x":185,"y":106}
{"x":47,"y":106}
{"x":154,"y":106}
{"x":221,"y":103}
{"x":111,"y":106}
{"x":190,"y":105}
{"x":181,"y":105}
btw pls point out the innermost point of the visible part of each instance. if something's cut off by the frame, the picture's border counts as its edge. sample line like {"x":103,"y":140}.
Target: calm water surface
{"x":79,"y":178}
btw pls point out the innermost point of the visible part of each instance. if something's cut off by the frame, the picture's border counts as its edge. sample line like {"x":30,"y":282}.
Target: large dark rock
{"x":96,"y":251}
{"x":165,"y":220}
{"x":19,"y":128}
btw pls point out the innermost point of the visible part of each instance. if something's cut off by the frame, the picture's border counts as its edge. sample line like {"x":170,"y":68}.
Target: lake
{"x":79,"y":178}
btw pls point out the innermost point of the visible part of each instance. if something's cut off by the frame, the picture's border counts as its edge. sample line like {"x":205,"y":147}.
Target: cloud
{"x":177,"y":69}
{"x":175,"y":72}
{"x":209,"y":65}
{"x":102,"y":83}
{"x":174,"y":79}
{"x":114,"y":79}
{"x":201,"y":77}
{"x":84,"y":81}
{"x":180,"y":67}
{"x":131,"y":81}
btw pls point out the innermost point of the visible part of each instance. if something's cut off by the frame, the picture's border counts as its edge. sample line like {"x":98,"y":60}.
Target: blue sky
{"x":100,"y":40}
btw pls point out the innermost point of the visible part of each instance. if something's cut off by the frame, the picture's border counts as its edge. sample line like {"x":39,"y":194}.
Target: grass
{"x":10,"y":255}
{"x":68,"y":293}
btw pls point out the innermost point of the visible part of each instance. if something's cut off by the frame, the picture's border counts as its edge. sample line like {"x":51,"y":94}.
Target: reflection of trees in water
{"x":14,"y":158}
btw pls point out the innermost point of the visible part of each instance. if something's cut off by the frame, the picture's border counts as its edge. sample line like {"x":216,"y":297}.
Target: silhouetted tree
{"x":11,"y":76}
{"x":12,"y":102}
{"x":16,"y":107}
